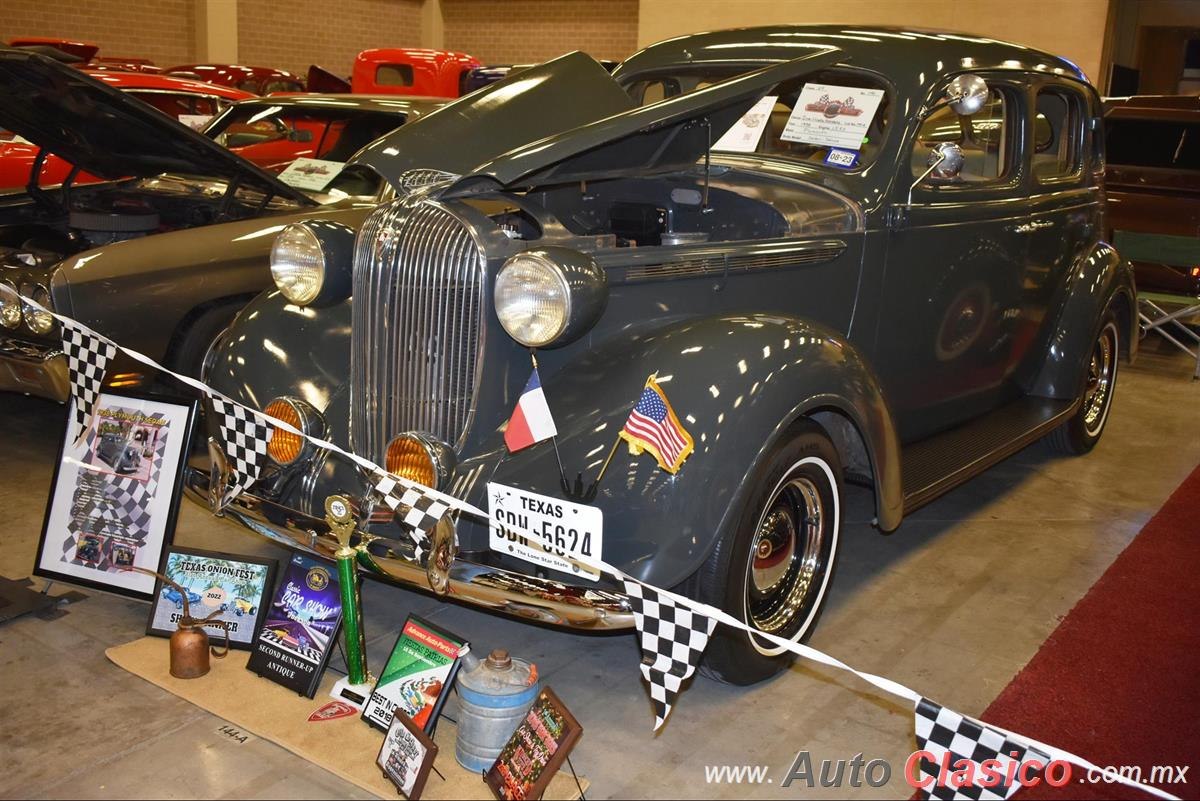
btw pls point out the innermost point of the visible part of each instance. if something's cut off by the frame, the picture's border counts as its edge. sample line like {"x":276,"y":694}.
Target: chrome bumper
{"x":516,"y":594}
{"x":33,"y":369}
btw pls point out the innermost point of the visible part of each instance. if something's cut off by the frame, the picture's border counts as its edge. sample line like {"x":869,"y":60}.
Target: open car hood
{"x":550,"y":98}
{"x":109,"y":133}
{"x":539,"y":129}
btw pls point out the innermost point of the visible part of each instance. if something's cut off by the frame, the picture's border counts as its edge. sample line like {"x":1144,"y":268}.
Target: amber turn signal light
{"x":408,"y":457}
{"x":285,"y":447}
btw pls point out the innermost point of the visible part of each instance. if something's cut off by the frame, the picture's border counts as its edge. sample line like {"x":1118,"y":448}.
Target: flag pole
{"x":562,"y":473}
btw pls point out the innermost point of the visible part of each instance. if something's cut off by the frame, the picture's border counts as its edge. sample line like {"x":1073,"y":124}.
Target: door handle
{"x":1030,"y":227}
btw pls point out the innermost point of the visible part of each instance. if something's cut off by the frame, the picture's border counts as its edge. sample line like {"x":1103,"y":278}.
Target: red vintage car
{"x":400,"y":71}
{"x":191,"y":102}
{"x":259,"y":80}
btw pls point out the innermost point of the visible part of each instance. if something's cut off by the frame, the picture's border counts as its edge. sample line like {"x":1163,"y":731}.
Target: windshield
{"x":273,"y":136}
{"x":835,"y":118}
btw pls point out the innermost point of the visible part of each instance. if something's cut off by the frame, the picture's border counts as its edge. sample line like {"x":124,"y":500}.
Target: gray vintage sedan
{"x":848,"y":255}
{"x":161,"y":234}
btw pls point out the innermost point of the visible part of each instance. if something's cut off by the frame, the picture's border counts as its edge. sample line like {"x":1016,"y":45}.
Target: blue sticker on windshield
{"x":841,"y":158}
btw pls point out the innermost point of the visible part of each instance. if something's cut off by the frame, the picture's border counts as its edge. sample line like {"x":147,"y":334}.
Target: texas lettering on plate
{"x":520,"y":520}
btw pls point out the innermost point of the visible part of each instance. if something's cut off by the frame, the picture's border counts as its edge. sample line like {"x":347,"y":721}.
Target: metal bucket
{"x":493,"y":697}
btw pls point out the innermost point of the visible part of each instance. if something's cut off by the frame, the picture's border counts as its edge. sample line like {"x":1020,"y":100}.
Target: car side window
{"x":983,"y":136}
{"x":394,"y":75}
{"x":1057,"y":134}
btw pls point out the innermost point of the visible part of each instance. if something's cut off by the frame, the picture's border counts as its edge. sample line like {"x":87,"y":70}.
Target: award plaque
{"x":417,"y":677}
{"x":115,"y":494}
{"x":536,"y":750}
{"x":407,"y":756}
{"x":233,"y":589}
{"x":294,"y":644}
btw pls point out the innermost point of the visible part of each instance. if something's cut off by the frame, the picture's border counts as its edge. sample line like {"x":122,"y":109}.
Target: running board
{"x":936,"y":465}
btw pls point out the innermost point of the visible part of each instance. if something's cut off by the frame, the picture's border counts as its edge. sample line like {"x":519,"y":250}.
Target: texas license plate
{"x":522,"y":520}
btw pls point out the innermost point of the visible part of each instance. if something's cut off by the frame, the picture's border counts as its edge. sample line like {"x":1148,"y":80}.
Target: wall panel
{"x":523,"y":31}
{"x":291,"y":35}
{"x":160,"y":30}
{"x":1075,"y":29}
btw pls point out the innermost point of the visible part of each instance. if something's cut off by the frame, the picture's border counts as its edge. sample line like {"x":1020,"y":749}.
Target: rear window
{"x":1153,"y":143}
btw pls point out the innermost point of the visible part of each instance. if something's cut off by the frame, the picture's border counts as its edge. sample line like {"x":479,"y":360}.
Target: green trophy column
{"x":356,"y":644}
{"x":341,"y":522}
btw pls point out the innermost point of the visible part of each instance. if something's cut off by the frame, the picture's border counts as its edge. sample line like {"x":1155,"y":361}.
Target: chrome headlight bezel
{"x":10,"y":307}
{"x":571,"y":288}
{"x":39,"y":322}
{"x":312,"y":262}
{"x":298,"y":264}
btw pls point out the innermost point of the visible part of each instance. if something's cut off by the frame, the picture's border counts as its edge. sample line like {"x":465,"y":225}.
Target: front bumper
{"x":516,"y":594}
{"x":33,"y":369}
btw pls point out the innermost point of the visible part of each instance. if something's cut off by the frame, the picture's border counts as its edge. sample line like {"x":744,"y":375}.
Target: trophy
{"x":355,"y":687}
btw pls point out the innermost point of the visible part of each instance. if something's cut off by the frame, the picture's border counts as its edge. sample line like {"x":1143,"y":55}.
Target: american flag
{"x":653,"y":426}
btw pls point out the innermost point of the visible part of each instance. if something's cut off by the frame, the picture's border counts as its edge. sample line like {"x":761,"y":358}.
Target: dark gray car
{"x":163,"y":252}
{"x":895,"y":284}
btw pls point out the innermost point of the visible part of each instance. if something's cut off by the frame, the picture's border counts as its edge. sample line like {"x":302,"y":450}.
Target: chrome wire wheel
{"x":1101,"y":377}
{"x":788,"y":556}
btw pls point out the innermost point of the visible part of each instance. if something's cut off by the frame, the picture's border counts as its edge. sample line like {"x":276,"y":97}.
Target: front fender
{"x":274,"y":348}
{"x":1098,"y":279}
{"x":736,"y":383}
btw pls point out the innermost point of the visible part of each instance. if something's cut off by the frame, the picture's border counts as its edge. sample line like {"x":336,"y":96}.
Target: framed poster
{"x":301,"y":625}
{"x":114,"y":498}
{"x":536,"y":750}
{"x":236,"y":586}
{"x":415,"y":679}
{"x":407,"y":755}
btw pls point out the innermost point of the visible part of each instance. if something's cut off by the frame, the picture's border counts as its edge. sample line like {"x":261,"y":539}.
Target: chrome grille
{"x":417,"y":317}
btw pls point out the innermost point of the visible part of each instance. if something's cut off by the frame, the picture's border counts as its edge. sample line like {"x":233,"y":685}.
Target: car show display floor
{"x":954,"y":604}
{"x":257,"y":707}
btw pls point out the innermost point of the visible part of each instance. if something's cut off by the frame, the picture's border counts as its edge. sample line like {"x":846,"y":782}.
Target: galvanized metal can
{"x":493,"y":697}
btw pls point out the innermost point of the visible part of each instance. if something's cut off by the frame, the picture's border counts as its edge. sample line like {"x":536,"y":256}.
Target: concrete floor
{"x":953,"y":604}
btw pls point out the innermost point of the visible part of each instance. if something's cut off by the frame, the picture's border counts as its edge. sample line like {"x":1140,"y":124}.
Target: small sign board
{"x":407,"y":755}
{"x":536,"y":750}
{"x":300,"y":626}
{"x":745,"y":134}
{"x":832,"y":116}
{"x":311,"y":174}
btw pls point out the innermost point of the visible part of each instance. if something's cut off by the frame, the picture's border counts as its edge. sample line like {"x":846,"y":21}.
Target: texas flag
{"x":531,"y":421}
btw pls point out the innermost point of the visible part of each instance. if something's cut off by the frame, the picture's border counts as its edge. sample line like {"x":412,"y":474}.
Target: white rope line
{"x":274,"y":422}
{"x":808,"y":652}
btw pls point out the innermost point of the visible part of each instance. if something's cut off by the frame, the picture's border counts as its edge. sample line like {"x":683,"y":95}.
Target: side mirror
{"x":966,"y":94}
{"x":300,"y":135}
{"x":945,"y":162}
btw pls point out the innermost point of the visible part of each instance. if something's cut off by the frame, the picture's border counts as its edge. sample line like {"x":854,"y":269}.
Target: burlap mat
{"x":346,"y":747}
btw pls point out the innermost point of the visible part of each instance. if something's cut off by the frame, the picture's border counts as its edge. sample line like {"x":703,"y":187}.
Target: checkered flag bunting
{"x":245,"y":438}
{"x":673,"y":638}
{"x":943,"y":732}
{"x":416,"y":509}
{"x":87,"y":357}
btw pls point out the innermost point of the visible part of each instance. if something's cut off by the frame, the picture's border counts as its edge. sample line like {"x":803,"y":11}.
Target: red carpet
{"x":1118,"y":682}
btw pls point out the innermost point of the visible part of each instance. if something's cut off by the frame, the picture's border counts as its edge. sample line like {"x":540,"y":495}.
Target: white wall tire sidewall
{"x":1112,"y":390}
{"x":825,"y":468}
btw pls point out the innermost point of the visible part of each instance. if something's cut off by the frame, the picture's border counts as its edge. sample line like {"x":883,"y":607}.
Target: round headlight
{"x":533,"y":300}
{"x":10,"y":306}
{"x":298,"y":264}
{"x":39,"y":322}
{"x":286,"y":447}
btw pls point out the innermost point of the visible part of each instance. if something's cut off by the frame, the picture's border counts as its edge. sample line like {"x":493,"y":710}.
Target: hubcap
{"x":786,"y":556}
{"x":1099,"y":381}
